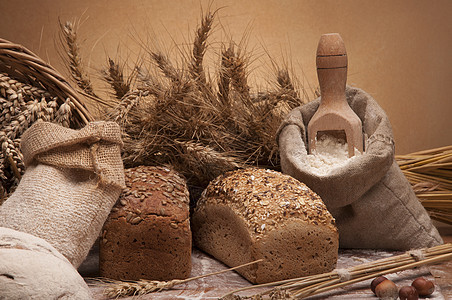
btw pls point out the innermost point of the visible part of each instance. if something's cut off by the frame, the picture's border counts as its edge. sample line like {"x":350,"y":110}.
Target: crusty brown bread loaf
{"x":252,"y":214}
{"x":147,"y":235}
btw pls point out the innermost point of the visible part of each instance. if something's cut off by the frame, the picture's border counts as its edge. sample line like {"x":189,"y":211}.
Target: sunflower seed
{"x":136,"y":220}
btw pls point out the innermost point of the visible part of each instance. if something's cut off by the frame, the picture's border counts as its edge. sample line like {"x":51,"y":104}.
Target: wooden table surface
{"x":215,"y":286}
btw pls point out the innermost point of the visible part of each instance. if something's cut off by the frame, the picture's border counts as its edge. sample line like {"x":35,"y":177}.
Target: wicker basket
{"x":30,"y":90}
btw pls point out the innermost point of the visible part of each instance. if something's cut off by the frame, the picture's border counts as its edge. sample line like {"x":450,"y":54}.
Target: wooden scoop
{"x":334,"y":115}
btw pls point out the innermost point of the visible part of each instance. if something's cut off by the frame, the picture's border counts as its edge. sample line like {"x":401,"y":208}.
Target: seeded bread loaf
{"x":147,"y":235}
{"x":252,"y":214}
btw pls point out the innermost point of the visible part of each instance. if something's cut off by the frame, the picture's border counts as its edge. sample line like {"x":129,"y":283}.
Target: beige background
{"x":399,"y":51}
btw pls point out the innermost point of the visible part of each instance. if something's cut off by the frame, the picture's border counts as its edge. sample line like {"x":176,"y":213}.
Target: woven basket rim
{"x":21,"y":63}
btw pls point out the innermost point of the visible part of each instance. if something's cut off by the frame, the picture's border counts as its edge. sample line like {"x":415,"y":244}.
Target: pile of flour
{"x":330,"y":153}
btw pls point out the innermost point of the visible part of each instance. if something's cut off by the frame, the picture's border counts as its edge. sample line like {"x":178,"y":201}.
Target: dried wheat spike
{"x":166,"y":67}
{"x":69,"y":38}
{"x":127,"y":103}
{"x":227,"y":63}
{"x":115,"y":77}
{"x":138,"y":288}
{"x":286,"y":91}
{"x":239,"y":77}
{"x":199,"y":48}
{"x":12,"y":157}
{"x":64,"y":113}
{"x":207,"y":155}
{"x":204,"y":161}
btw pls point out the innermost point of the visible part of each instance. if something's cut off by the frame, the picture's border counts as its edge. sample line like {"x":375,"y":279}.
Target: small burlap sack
{"x":372,"y":201}
{"x":71,"y":182}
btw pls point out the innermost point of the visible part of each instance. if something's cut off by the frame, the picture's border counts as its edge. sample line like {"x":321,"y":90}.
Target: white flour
{"x":330,"y":153}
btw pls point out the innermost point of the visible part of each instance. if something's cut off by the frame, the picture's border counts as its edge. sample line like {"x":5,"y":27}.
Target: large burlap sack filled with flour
{"x":71,"y":182}
{"x":372,"y":201}
{"x":30,"y":268}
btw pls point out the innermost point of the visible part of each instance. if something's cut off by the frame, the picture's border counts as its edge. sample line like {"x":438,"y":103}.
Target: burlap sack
{"x":372,"y":201}
{"x":30,"y":268}
{"x":72,"y":180}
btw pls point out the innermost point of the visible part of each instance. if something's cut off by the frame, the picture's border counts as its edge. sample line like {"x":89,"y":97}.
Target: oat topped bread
{"x":265,"y":197}
{"x":249,"y":214}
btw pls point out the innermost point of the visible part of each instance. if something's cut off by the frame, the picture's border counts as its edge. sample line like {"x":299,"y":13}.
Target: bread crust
{"x":147,"y":235}
{"x":251,"y":214}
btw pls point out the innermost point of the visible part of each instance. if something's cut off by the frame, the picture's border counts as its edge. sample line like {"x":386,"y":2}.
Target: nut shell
{"x":376,"y":282}
{"x":408,"y":293}
{"x":387,"y":290}
{"x":423,"y":286}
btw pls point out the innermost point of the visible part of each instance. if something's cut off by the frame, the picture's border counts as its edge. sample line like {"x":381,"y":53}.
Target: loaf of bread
{"x":31,"y":268}
{"x":147,"y":235}
{"x":252,"y":214}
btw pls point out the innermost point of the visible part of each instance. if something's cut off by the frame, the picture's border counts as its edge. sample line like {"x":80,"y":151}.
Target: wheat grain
{"x":166,"y":67}
{"x":115,"y":77}
{"x":64,"y":113}
{"x":127,"y":103}
{"x":118,"y":289}
{"x":239,"y":76}
{"x":225,"y":77}
{"x":69,"y":39}
{"x":199,"y":48}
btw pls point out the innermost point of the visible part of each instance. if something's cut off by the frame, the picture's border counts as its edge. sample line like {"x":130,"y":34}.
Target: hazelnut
{"x":376,"y":282}
{"x":423,"y":286}
{"x":408,"y":293}
{"x":387,"y":290}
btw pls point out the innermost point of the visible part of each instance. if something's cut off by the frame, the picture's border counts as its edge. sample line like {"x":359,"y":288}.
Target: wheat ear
{"x":69,"y":38}
{"x":115,"y":77}
{"x":118,"y":289}
{"x":199,"y":48}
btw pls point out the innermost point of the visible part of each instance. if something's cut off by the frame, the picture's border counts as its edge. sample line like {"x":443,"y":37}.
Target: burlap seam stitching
{"x":381,"y":138}
{"x":411,"y":213}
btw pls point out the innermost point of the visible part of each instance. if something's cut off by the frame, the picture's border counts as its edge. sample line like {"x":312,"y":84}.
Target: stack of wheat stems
{"x":173,"y":111}
{"x":299,"y":288}
{"x":430,"y":174}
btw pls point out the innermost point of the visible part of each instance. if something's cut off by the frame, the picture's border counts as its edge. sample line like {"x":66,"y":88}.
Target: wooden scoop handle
{"x":332,"y":70}
{"x":334,"y":114}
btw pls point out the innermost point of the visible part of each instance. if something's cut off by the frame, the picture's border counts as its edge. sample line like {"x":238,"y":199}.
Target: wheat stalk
{"x":239,"y":77}
{"x":166,"y":67}
{"x":227,"y":56}
{"x":129,"y":100}
{"x":201,"y":128}
{"x":69,"y":39}
{"x":64,"y":113}
{"x":299,"y":288}
{"x":430,"y":174}
{"x":199,"y":48}
{"x":118,"y":289}
{"x":205,"y":160}
{"x":115,"y":77}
